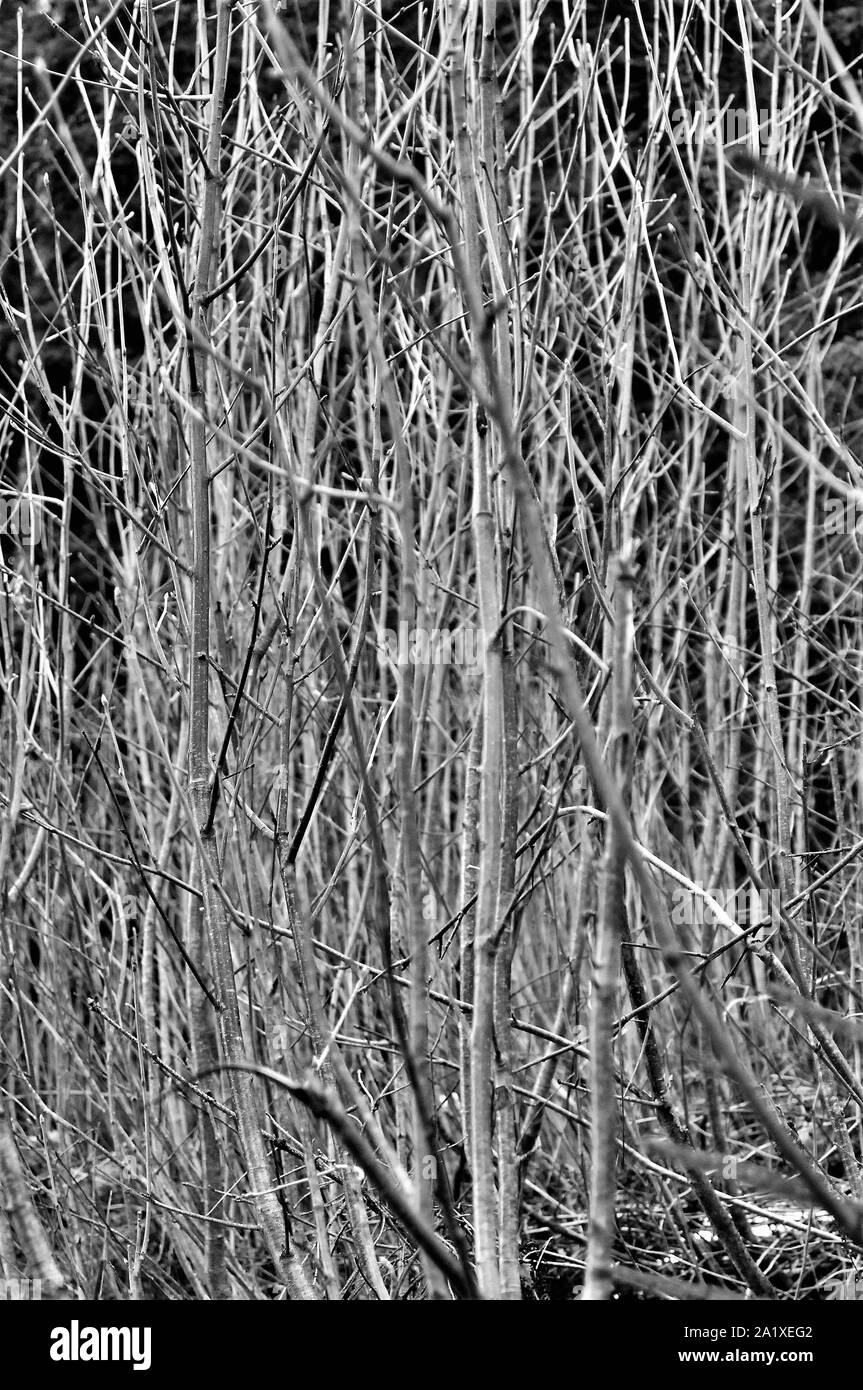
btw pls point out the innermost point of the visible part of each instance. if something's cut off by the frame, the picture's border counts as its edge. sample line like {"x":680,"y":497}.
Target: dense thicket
{"x":352,"y":420}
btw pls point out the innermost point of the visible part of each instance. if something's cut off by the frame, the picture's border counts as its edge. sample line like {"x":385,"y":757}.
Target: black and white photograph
{"x":431,"y":675}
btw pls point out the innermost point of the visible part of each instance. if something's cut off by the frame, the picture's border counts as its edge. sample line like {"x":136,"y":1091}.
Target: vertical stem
{"x":204,"y":1055}
{"x":24,"y":1217}
{"x":481,"y":1093}
{"x":245,"y":1100}
{"x":508,"y":1186}
{"x":606,"y":966}
{"x":468,"y":888}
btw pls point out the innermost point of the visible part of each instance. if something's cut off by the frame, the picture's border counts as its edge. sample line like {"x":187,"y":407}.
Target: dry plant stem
{"x":422,"y":1100}
{"x":467,"y":923}
{"x":485,"y":928}
{"x":489,"y":140}
{"x":246,"y":1103}
{"x":491,"y":771}
{"x":610,"y":932}
{"x":23,"y":1216}
{"x":326,"y":1258}
{"x":504,"y":1097}
{"x":850,"y":1163}
{"x":425,"y":1157}
{"x":205,"y":1055}
{"x":583,"y":914}
{"x":765,"y":627}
